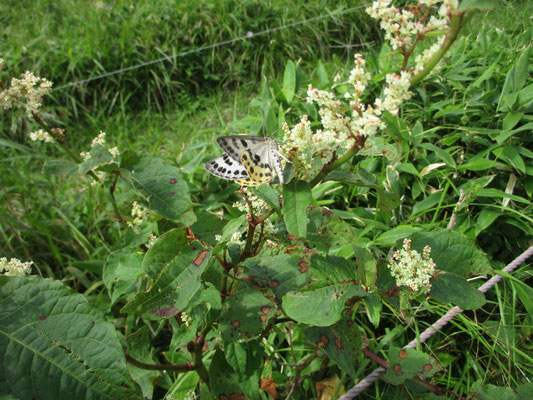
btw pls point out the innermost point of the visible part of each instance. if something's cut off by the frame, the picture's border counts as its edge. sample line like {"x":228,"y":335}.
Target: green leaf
{"x":524,"y":391}
{"x":405,"y":364}
{"x":485,"y":219}
{"x":510,"y":120}
{"x":429,"y":202}
{"x":245,"y":314}
{"x":281,"y":273}
{"x":320,"y":307}
{"x":342,"y":342}
{"x":289,"y":81}
{"x":322,"y":73}
{"x":296,"y":198}
{"x":483,"y":5}
{"x":452,"y":252}
{"x":99,"y":156}
{"x":511,"y":156}
{"x":442,"y":154}
{"x":373,"y":305}
{"x":451,"y":288}
{"x":246,"y":359}
{"x":268,"y":195}
{"x":168,"y":191}
{"x":480,"y":164}
{"x":183,"y":385}
{"x":59,"y":344}
{"x":121,"y":270}
{"x":207,"y":227}
{"x":223,"y":379}
{"x":326,"y":230}
{"x":175,"y":266}
{"x":60,"y":167}
{"x":231,"y":227}
{"x":491,"y":392}
{"x":390,"y":237}
{"x":138,"y":344}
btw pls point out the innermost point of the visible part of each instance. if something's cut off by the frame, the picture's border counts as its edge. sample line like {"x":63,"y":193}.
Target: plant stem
{"x":336,"y":163}
{"x":57,"y":138}
{"x":457,"y":22}
{"x":196,"y":352}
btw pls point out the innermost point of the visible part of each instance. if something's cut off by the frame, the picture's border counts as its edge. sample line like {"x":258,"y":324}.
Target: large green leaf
{"x":245,"y":314}
{"x":281,"y":273}
{"x":168,"y":191}
{"x":320,"y":307}
{"x":450,"y":288}
{"x":55,"y":345}
{"x":175,"y":266}
{"x":296,"y":198}
{"x":224,"y":381}
{"x":326,"y":229}
{"x":342,"y":342}
{"x":405,"y":364}
{"x":61,"y":167}
{"x":452,"y":252}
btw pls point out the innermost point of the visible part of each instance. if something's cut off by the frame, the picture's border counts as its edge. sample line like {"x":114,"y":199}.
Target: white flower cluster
{"x":411,"y":269}
{"x":404,"y":27}
{"x":186,"y":318}
{"x":310,"y":151}
{"x":341,"y":131}
{"x":42,"y":136}
{"x":151,"y":241}
{"x":258,"y":205}
{"x":14,"y":267}
{"x":25,"y":93}
{"x":139,"y":214}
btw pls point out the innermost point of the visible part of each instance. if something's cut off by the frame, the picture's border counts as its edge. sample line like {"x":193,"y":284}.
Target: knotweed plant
{"x":271,"y":295}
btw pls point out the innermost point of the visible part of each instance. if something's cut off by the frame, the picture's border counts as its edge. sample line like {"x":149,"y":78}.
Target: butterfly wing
{"x":226,"y":168}
{"x":257,"y":167}
{"x":234,"y":146}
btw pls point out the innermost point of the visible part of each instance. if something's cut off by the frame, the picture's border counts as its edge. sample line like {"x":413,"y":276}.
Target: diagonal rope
{"x":365,"y":383}
{"x":249,"y":35}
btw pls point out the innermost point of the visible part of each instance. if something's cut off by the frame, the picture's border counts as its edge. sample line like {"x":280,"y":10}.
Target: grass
{"x":67,"y":227}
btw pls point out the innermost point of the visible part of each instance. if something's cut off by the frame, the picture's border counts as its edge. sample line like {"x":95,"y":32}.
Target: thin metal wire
{"x":249,"y":35}
{"x":374,"y":375}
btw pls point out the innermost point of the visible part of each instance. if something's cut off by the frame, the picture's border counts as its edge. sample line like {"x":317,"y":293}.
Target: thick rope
{"x":365,"y":383}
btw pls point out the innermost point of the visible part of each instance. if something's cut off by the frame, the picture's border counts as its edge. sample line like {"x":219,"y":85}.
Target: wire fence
{"x":248,"y":36}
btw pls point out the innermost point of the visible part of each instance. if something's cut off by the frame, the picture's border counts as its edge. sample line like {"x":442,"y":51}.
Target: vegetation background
{"x":176,"y":108}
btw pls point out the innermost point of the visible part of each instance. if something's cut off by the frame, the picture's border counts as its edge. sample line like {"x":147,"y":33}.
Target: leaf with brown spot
{"x":405,"y":364}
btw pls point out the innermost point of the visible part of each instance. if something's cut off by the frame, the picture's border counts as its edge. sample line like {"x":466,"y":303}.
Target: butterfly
{"x":248,"y":160}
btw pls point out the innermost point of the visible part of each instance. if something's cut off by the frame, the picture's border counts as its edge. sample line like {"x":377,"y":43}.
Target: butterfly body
{"x":248,"y":160}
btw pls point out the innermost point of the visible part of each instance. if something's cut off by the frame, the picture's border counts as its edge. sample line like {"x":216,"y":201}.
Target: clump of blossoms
{"x":346,"y":128}
{"x":14,"y":267}
{"x":139,"y":214}
{"x":100,"y":139}
{"x":26,"y":93}
{"x":411,"y":269}
{"x":41,"y":136}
